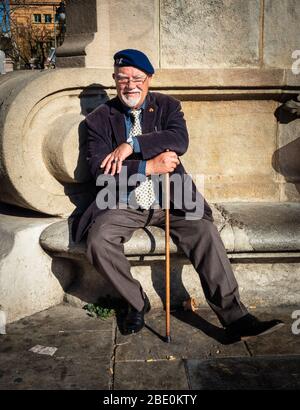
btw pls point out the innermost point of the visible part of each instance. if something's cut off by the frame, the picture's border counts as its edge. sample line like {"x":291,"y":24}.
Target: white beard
{"x":130,"y":101}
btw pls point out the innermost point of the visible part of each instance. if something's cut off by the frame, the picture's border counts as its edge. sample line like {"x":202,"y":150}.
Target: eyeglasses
{"x":134,"y":80}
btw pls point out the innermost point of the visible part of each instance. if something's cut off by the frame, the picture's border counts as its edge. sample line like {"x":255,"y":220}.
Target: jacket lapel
{"x":150,"y":115}
{"x":117,"y":122}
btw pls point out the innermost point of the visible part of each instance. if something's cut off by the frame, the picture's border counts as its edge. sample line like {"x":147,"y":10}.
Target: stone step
{"x":40,"y":265}
{"x":262,"y":241}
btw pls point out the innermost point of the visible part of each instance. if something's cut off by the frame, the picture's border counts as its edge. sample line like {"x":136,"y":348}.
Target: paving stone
{"x":92,"y":344}
{"x":247,"y":373}
{"x":191,"y":335}
{"x":281,"y":342}
{"x":82,"y":360}
{"x":58,"y":318}
{"x":197,"y":357}
{"x":36,"y":372}
{"x":158,"y":375}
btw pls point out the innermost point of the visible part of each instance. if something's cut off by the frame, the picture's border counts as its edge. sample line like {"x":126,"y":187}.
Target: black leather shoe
{"x":134,"y":320}
{"x":249,"y":326}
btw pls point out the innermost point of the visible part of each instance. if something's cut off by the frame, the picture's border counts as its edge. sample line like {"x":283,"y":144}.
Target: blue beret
{"x":133,"y":58}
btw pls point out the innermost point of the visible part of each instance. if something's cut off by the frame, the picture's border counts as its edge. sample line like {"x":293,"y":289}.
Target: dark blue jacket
{"x":164,"y":128}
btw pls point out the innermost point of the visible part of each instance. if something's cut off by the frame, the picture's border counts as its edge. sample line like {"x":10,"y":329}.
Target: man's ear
{"x":113,"y":76}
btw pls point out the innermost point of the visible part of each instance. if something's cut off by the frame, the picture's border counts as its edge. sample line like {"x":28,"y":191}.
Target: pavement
{"x":93,"y":354}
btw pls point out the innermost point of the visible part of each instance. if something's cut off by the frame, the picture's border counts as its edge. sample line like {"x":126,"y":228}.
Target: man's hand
{"x":162,"y":163}
{"x":113,"y":161}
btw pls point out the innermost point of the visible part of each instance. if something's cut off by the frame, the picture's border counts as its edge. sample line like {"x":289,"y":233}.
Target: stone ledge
{"x":174,"y":78}
{"x":245,"y":228}
{"x":263,"y":227}
{"x":27,"y":284}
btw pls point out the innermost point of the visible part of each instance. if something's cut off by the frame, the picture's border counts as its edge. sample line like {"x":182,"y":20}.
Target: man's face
{"x":132,"y":85}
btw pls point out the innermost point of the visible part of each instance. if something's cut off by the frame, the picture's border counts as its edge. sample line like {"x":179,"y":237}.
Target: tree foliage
{"x":25,"y":40}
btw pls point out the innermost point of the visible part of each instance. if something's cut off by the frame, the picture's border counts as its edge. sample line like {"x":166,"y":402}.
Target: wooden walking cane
{"x":167,"y":251}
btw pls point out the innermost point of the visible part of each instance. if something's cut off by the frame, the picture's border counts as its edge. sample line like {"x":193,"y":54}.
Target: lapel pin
{"x":151,"y":109}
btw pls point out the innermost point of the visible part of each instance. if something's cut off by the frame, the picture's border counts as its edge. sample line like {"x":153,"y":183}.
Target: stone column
{"x":96,"y":29}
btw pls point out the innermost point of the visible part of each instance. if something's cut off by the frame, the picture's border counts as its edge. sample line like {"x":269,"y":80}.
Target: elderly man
{"x":144,"y":133}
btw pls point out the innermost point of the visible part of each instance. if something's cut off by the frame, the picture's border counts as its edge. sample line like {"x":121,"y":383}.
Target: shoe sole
{"x":266,"y":332}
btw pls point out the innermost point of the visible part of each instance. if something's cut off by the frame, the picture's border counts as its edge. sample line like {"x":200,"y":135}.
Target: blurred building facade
{"x":35,"y":29}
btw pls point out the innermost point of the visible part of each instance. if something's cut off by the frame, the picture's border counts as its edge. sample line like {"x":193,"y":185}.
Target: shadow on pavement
{"x":195,"y":320}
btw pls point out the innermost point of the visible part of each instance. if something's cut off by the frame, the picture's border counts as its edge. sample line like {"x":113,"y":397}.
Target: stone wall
{"x":235,"y":139}
{"x":183,"y":33}
{"x":229,"y":63}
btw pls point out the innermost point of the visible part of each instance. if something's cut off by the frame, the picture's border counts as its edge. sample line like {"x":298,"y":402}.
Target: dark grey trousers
{"x":199,"y":239}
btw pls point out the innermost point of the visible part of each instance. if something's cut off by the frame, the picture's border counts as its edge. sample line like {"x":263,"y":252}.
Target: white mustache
{"x":132,"y":91}
{"x":131,"y":98}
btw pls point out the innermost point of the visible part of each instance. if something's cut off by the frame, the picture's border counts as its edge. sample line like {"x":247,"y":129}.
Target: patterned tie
{"x":144,"y":193}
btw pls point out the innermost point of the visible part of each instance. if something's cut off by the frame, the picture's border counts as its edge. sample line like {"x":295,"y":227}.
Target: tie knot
{"x":135,"y":114}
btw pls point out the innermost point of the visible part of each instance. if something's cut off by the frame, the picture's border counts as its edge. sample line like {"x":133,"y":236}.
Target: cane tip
{"x":168,"y":339}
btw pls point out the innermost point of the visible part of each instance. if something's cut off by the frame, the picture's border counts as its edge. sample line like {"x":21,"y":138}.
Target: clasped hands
{"x":161,"y":164}
{"x":113,"y":161}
